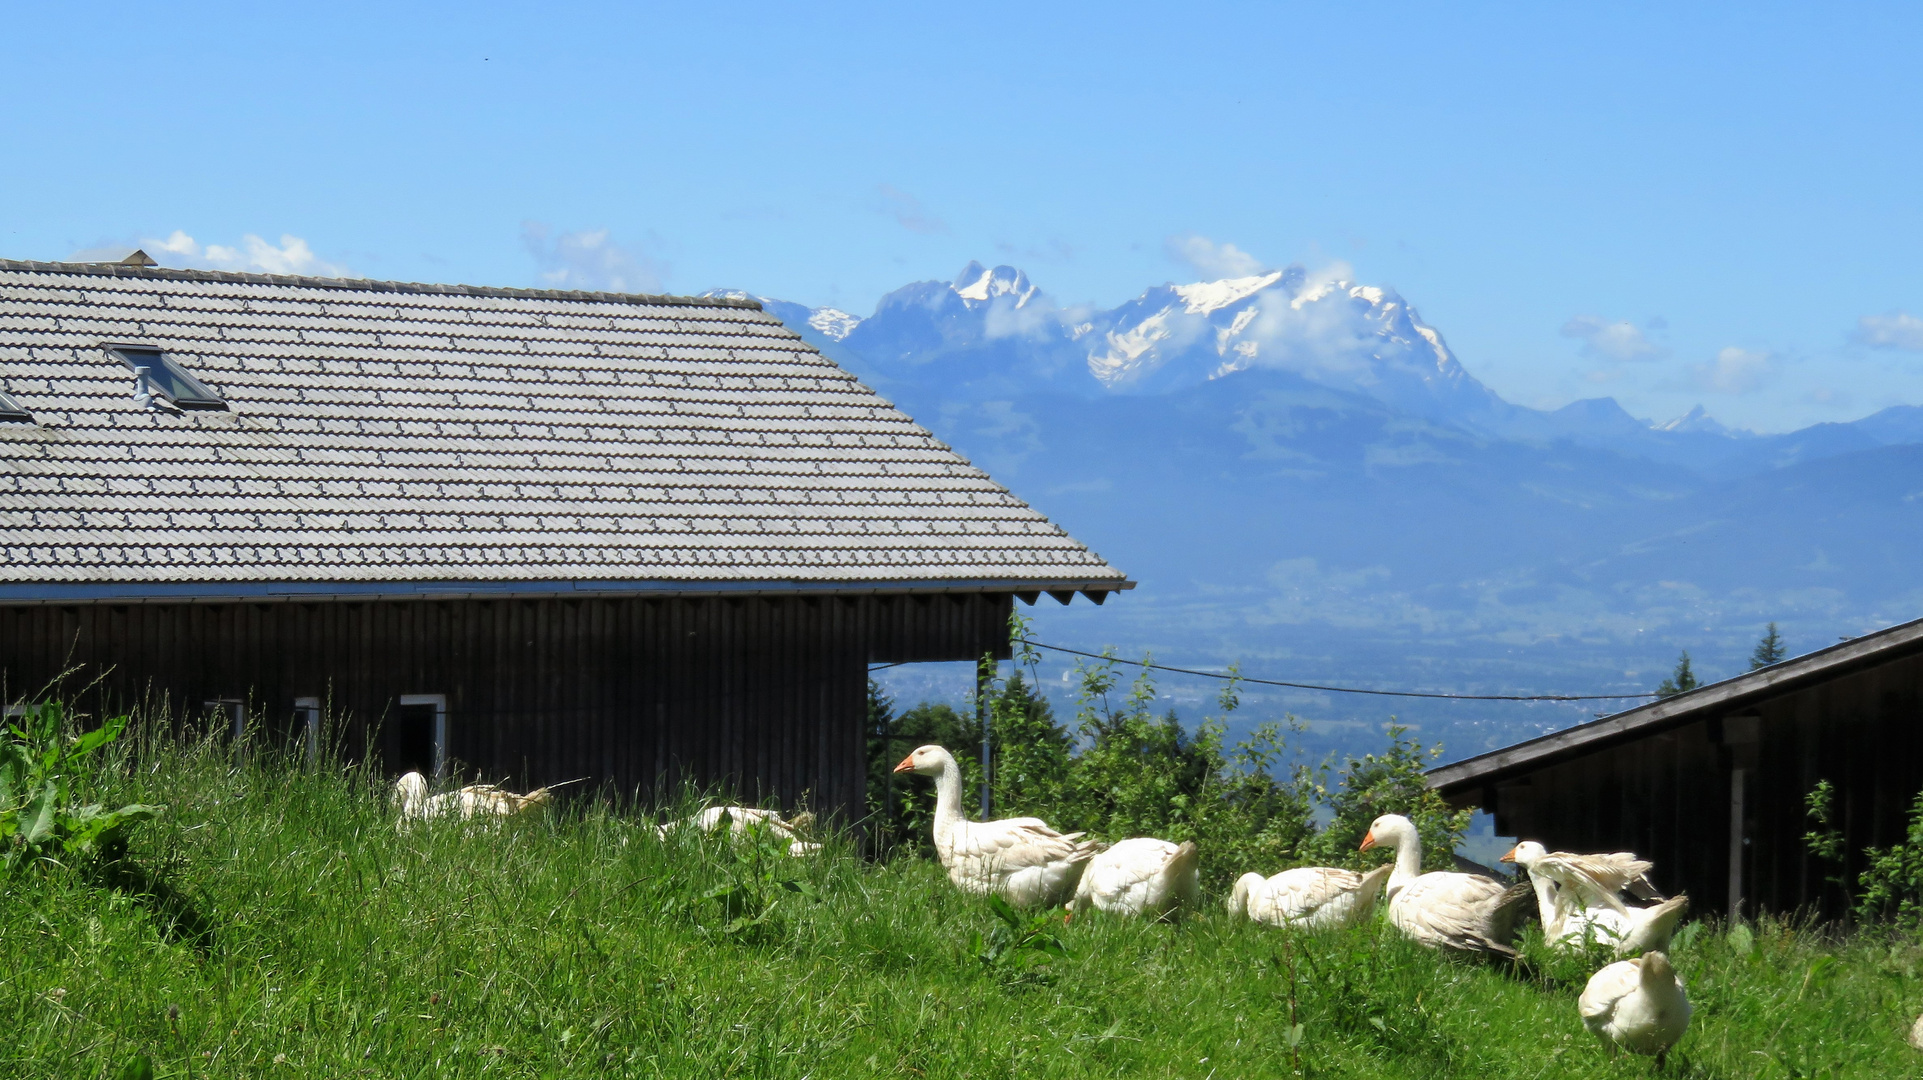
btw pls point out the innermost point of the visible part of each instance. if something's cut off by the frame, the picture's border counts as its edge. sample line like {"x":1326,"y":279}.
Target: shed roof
{"x":1715,"y":699}
{"x":387,"y":436}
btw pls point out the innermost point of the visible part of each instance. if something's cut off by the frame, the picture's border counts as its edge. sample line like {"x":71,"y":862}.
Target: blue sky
{"x":1718,"y":205}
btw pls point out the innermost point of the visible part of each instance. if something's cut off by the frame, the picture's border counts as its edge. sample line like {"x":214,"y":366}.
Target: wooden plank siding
{"x":763,"y":695}
{"x":1666,"y":794}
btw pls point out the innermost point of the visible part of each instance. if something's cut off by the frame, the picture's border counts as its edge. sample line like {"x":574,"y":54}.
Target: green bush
{"x":1128,"y":769}
{"x":1890,"y":885}
{"x":45,"y":772}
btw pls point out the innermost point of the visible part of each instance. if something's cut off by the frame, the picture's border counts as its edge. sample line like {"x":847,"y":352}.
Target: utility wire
{"x":1338,"y":689}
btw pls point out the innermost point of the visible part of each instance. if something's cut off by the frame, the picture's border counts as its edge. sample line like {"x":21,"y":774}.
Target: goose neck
{"x":948,"y":795}
{"x":1408,"y":861}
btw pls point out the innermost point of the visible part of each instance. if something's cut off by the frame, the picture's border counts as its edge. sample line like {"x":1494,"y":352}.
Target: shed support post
{"x":1739,"y":735}
{"x":1736,"y":810}
{"x":984,"y":676}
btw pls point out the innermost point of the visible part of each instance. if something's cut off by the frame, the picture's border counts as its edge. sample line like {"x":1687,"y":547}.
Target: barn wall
{"x":1668,"y":795}
{"x":764,"y":695}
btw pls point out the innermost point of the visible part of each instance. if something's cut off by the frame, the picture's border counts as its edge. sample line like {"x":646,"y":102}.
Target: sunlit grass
{"x":576,"y":943}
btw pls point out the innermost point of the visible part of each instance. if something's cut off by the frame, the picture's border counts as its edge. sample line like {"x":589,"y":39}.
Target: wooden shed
{"x":1711,"y":784}
{"x":539,"y":535}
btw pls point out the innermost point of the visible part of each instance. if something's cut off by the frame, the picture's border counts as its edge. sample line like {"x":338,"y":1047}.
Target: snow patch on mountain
{"x":978,"y":285}
{"x":1206,"y":296}
{"x":1698,"y":419}
{"x":831,"y":323}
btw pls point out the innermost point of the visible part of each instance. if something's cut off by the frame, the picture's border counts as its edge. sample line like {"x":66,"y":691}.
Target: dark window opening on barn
{"x":160,"y":374}
{"x":307,"y":728}
{"x":11,"y":411}
{"x":420,"y":735}
{"x":231,"y":713}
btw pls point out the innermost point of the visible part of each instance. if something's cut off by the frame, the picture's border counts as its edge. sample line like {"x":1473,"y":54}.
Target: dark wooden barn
{"x":1711,"y":784}
{"x":537,"y":535}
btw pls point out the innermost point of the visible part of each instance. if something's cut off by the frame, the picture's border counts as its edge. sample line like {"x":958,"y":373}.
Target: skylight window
{"x":11,"y":412}
{"x":165,"y":378}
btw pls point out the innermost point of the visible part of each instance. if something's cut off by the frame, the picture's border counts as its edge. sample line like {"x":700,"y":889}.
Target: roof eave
{"x":42,"y":594}
{"x":1713,"y":700}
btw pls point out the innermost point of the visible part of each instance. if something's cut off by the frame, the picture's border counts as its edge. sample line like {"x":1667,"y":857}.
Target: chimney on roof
{"x":139,"y":258}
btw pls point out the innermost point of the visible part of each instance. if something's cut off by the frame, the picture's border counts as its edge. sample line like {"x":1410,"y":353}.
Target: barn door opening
{"x":421,"y":734}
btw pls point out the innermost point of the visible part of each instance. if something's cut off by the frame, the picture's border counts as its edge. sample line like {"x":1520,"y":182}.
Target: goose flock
{"x":1636,"y":1004}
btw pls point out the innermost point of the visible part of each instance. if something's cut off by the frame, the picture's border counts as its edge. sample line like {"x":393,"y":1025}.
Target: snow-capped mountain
{"x":990,"y":332}
{"x":1303,"y":475}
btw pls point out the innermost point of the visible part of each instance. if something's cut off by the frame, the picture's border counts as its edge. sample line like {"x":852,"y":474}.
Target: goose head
{"x":1525,"y":854}
{"x":930,"y":760}
{"x":1656,"y":969}
{"x":1392,"y":831}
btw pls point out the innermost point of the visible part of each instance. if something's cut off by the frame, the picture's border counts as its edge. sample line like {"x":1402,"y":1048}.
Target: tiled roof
{"x":382,"y":432}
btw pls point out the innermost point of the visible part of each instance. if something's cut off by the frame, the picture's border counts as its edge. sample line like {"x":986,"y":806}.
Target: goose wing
{"x":1601,"y":879}
{"x":1301,"y":892}
{"x":1467,"y":912}
{"x":1017,"y":842}
{"x":1606,"y":989}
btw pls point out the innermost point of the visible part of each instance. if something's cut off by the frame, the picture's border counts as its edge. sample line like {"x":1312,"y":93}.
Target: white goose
{"x":1577,"y":897}
{"x":472,"y":801}
{"x":1021,"y":860}
{"x":1637,"y":1005}
{"x":744,"y":818}
{"x":1316,"y":897}
{"x":1141,"y":876}
{"x":1445,"y":910}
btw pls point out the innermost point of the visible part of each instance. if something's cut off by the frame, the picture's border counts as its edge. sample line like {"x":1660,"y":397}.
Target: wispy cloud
{"x":252,"y":255}
{"x":1897,"y":330}
{"x":1212,"y":260}
{"x":907,"y":210}
{"x":1613,"y":342}
{"x":591,"y":261}
{"x":1736,"y":371}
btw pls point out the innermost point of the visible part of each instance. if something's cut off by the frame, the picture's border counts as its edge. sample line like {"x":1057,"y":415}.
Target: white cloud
{"x":1212,"y":260}
{"x":252,"y":255}
{"x":1735,"y":371}
{"x":589,"y":260}
{"x":907,"y":210}
{"x":1898,"y":330}
{"x":1613,"y":342}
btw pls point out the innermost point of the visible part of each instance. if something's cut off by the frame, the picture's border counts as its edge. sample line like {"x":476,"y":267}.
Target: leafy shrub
{"x":1890,"y":885}
{"x":1391,"y":782}
{"x":42,"y":772}
{"x":1127,"y":769}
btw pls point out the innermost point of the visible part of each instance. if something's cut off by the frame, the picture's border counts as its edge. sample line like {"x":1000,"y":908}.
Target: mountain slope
{"x":1303,"y":477}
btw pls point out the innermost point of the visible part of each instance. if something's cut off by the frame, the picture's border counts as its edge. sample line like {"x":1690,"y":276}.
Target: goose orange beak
{"x":1368,"y":841}
{"x":907,"y":763}
{"x":1508,"y":856}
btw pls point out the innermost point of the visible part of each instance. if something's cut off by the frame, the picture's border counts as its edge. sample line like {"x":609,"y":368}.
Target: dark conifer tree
{"x":1680,"y":681}
{"x":1769,"y":650}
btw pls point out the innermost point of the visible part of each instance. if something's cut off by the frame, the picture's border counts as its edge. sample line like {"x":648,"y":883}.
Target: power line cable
{"x":1337,"y":689}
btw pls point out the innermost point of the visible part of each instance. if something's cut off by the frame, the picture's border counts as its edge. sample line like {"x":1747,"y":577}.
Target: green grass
{"x":307,"y":937}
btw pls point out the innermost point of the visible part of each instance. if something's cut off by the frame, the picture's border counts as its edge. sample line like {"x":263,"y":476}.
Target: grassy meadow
{"x":277,"y":923}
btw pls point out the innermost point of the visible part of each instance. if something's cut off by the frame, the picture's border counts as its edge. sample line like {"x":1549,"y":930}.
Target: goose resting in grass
{"x":1141,"y":876}
{"x":1637,"y":1005}
{"x":744,"y":818}
{"x":1465,"y":913}
{"x":1315,"y":897}
{"x":472,"y":801}
{"x":1577,"y":906}
{"x":1021,"y":860}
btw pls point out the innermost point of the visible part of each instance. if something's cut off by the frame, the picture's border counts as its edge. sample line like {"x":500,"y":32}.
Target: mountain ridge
{"x":1345,"y":503}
